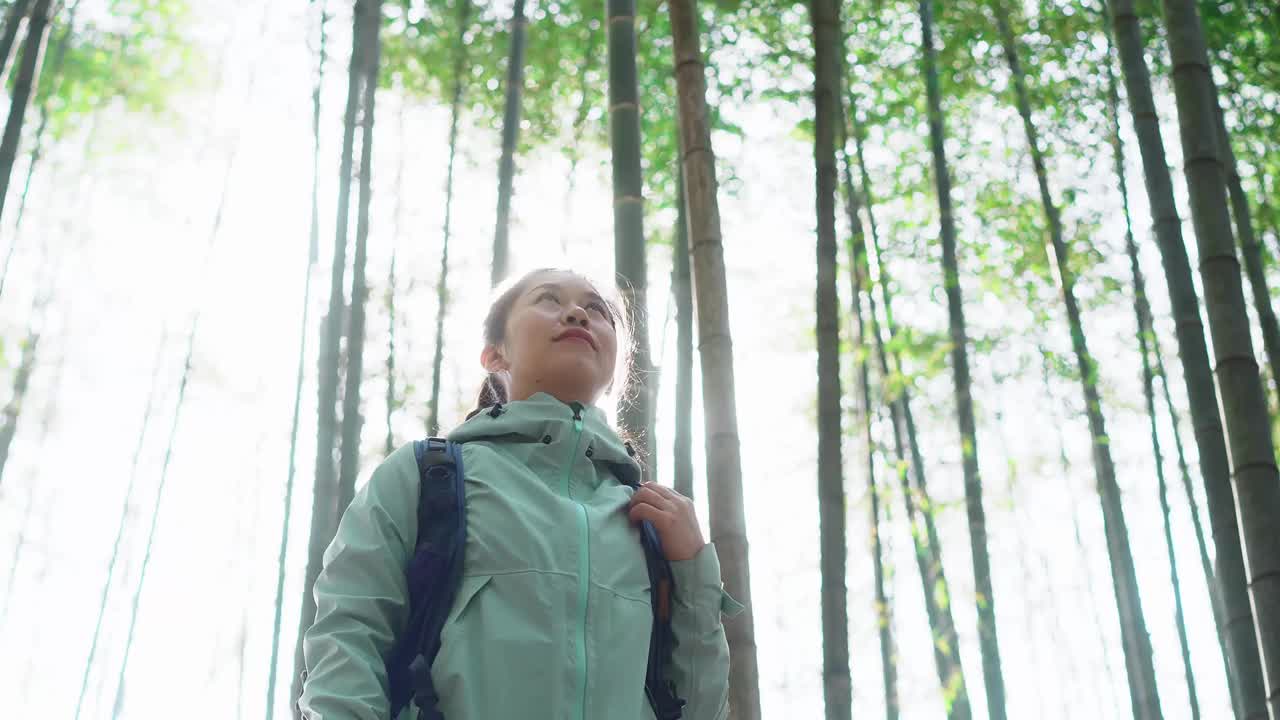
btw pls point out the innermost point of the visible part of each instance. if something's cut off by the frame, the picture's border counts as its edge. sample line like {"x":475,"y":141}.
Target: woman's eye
{"x":549,"y":294}
{"x":603,"y":312}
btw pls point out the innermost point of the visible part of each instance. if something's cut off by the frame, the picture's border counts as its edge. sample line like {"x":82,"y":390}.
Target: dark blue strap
{"x":661,"y":692}
{"x":433,"y":575}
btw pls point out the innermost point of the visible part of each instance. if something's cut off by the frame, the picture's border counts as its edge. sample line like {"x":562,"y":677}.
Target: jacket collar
{"x":542,"y":416}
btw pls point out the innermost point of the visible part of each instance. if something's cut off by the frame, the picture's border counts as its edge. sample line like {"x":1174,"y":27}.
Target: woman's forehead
{"x":563,"y":280}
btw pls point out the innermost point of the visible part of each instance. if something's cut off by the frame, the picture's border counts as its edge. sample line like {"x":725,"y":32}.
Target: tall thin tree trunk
{"x":1081,"y":552}
{"x":14,"y":16}
{"x":13,"y":409}
{"x":579,"y":123}
{"x":884,"y":611}
{"x":1141,"y":313}
{"x":924,"y":534}
{"x":1255,"y":477}
{"x":936,"y":591}
{"x":352,"y":420}
{"x":124,"y":517}
{"x":12,"y":412}
{"x":324,"y":492}
{"x":715,"y":347}
{"x":1184,"y":472}
{"x":933,"y":576}
{"x":636,"y":415}
{"x":837,"y":685}
{"x":1236,"y":621}
{"x":992,"y":673}
{"x":1146,"y":325}
{"x":37,"y":146}
{"x":118,"y":704}
{"x":313,"y":253}
{"x":24,"y":86}
{"x":1250,"y":248}
{"x":214,"y":230}
{"x":860,"y":283}
{"x":46,"y":424}
{"x":1139,"y":662}
{"x":1146,"y":329}
{"x":392,"y":402}
{"x":682,"y":466}
{"x":442,"y":285}
{"x":928,"y":551}
{"x":510,"y":132}
{"x":17,"y":407}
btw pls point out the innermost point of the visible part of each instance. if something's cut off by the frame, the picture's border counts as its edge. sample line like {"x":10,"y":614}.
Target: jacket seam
{"x":622,"y":595}
{"x":530,"y":571}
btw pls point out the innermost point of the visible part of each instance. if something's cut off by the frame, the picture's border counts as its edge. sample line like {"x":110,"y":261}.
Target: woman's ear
{"x":492,"y":360}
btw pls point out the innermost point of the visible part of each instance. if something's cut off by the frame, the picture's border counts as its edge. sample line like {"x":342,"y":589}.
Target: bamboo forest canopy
{"x":954,"y":317}
{"x":565,"y":73}
{"x":135,"y":52}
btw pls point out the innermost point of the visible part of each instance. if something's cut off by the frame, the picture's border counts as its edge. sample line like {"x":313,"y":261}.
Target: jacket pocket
{"x":468,"y":588}
{"x":446,"y":674}
{"x":621,"y":654}
{"x":499,"y":656}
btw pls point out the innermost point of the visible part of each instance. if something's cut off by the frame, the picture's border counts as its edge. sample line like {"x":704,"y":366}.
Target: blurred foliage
{"x":137,"y":52}
{"x":565,"y":73}
{"x":1244,"y":42}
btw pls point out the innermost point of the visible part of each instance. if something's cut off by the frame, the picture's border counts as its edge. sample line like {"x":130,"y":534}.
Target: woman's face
{"x":560,"y":339}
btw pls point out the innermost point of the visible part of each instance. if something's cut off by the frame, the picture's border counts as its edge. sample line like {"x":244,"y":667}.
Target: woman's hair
{"x":496,"y":387}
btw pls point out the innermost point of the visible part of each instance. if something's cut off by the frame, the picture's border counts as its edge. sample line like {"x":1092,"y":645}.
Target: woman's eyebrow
{"x":555,"y":286}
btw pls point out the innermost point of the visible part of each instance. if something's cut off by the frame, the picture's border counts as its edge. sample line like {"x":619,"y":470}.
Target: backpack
{"x":435,"y":571}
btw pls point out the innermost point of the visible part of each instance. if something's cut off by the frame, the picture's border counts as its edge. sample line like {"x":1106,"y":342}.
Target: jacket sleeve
{"x":361,"y":597}
{"x":700,"y":660}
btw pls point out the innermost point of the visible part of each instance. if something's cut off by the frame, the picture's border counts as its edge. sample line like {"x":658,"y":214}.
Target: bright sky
{"x":129,"y":232}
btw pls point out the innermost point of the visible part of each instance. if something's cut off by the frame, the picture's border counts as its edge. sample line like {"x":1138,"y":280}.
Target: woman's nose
{"x":576,"y":314}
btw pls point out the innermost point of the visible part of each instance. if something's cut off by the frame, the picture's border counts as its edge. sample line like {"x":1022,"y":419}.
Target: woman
{"x":552,"y":618}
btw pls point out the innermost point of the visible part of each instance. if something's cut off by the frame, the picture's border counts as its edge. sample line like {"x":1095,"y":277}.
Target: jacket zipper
{"x":584,"y":568}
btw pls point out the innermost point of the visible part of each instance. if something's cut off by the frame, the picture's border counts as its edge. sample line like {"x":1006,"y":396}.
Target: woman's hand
{"x":672,"y":515}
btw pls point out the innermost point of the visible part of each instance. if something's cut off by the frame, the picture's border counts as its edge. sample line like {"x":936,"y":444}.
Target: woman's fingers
{"x":663,"y":489}
{"x":644,"y":511}
{"x":672,"y":515}
{"x":674,"y":498}
{"x":648,"y":494}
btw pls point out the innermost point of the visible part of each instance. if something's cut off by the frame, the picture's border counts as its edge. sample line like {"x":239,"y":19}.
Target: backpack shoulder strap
{"x":433,"y":574}
{"x":666,"y":704}
{"x":661,"y":692}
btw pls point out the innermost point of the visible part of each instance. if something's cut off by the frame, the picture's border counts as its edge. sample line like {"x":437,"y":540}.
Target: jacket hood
{"x":545,"y":419}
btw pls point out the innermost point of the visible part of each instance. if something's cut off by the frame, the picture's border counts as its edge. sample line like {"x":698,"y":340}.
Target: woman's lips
{"x":577,"y":334}
{"x":576,"y":338}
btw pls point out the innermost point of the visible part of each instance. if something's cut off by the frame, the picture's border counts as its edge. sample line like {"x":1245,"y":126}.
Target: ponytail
{"x":493,"y":391}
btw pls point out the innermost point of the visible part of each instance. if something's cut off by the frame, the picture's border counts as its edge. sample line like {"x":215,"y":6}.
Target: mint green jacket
{"x":552,"y":618}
